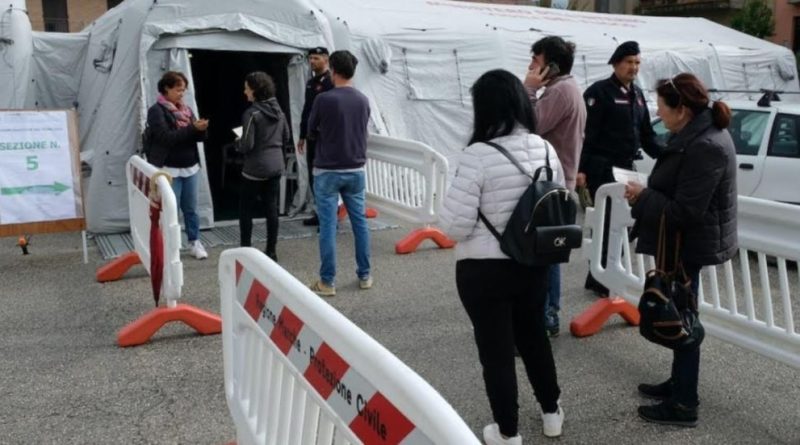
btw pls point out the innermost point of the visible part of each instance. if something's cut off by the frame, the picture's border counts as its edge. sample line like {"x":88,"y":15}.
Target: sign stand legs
{"x":85,"y":249}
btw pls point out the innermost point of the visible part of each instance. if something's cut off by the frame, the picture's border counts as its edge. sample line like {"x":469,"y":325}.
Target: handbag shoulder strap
{"x":511,"y":158}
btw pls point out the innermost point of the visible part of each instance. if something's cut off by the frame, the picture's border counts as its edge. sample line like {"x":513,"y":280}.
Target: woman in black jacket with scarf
{"x":693,"y":185}
{"x":265,"y":139}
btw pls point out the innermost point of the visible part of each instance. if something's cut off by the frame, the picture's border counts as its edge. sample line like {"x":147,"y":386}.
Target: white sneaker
{"x":552,"y":422}
{"x":197,"y":250}
{"x":492,"y":436}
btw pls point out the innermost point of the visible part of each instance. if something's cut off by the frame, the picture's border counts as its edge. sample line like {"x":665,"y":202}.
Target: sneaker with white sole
{"x":365,"y":283}
{"x":322,"y":289}
{"x":552,"y":422}
{"x":492,"y":436}
{"x":197,"y":250}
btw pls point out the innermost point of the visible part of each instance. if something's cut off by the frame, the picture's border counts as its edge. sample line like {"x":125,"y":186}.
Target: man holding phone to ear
{"x":560,"y":114}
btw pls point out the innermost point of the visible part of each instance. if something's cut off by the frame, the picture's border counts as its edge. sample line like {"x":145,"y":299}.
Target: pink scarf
{"x":182,"y":113}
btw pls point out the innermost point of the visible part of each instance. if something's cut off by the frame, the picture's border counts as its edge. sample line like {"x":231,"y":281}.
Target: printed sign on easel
{"x":40,"y":181}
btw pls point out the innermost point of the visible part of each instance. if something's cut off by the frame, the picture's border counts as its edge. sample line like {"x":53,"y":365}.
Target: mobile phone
{"x":553,"y":70}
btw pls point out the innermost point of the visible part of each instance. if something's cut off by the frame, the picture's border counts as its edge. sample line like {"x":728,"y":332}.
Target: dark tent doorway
{"x":219,"y":83}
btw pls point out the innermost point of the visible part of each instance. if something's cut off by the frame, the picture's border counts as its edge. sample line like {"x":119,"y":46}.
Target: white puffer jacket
{"x":486,"y":179}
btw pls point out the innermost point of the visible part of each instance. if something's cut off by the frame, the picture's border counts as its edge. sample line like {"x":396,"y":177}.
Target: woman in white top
{"x":504,"y":299}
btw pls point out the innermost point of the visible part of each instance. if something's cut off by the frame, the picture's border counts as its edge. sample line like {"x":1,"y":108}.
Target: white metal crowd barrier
{"x":298,"y":372}
{"x":405,"y":178}
{"x":153,"y":211}
{"x":141,"y":178}
{"x":750,"y":317}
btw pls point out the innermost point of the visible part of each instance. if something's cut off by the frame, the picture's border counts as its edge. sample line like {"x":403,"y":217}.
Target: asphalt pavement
{"x":63,"y":380}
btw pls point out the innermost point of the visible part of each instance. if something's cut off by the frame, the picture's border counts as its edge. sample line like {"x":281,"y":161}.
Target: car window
{"x":784,"y":140}
{"x":747,"y":130}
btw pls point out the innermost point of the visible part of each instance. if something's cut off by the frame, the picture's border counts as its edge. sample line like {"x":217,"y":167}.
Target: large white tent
{"x":418,"y":61}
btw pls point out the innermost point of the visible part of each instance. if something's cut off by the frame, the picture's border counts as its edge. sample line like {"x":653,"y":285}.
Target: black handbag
{"x":668,"y":307}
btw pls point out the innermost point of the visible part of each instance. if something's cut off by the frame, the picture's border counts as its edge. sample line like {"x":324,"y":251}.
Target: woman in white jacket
{"x":504,"y":299}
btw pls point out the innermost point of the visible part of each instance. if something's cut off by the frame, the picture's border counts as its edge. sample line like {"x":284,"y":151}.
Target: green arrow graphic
{"x":55,"y":189}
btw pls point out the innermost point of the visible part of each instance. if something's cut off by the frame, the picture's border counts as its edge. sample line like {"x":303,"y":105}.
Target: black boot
{"x":313,"y":221}
{"x":662,"y":391}
{"x":596,"y":286}
{"x":669,"y":413}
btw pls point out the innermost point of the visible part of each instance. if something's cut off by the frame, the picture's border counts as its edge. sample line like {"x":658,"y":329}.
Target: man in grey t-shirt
{"x":339,"y":119}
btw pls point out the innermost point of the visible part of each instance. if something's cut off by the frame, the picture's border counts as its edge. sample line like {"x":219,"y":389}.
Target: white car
{"x":767,"y":143}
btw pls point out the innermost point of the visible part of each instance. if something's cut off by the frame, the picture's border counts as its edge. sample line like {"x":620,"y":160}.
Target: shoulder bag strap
{"x":519,"y":166}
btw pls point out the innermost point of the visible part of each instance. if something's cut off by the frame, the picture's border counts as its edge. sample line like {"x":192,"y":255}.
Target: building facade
{"x":787,"y":24}
{"x":66,"y":15}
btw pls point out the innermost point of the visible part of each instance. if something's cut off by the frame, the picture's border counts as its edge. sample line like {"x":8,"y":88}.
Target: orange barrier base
{"x":413,"y":239}
{"x":114,"y":270}
{"x":369,"y":213}
{"x":590,"y":321}
{"x":140,"y":331}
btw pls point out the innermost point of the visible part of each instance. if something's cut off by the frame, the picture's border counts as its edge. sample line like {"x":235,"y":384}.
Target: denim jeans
{"x":327,"y":188}
{"x":686,"y":363}
{"x":186,"y":197}
{"x":553,"y":304}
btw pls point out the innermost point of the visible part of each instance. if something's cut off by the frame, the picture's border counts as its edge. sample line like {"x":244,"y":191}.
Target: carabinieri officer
{"x":617,"y":125}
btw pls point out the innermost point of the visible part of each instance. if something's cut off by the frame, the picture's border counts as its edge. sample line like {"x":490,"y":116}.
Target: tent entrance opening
{"x":219,"y":91}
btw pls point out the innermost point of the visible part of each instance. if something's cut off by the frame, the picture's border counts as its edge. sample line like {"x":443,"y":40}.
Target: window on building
{"x":54,"y":14}
{"x":112,"y":3}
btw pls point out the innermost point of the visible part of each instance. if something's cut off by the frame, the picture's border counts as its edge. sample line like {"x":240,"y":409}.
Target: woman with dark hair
{"x":265,"y":136}
{"x":173,"y":133}
{"x":693,"y":187}
{"x":503,"y":299}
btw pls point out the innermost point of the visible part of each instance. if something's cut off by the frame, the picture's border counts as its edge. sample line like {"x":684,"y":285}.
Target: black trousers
{"x":686,"y":362}
{"x":505,"y":302}
{"x":268,"y":192}
{"x":311,"y":150}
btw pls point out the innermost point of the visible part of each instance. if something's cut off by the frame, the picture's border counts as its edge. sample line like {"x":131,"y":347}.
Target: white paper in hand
{"x":238,"y":132}
{"x":624,"y":176}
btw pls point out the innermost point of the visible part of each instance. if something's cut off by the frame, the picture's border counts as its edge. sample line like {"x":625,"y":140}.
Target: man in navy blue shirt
{"x":339,"y":120}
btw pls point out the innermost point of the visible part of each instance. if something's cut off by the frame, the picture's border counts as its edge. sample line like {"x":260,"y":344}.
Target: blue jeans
{"x":186,"y":197}
{"x":327,"y":188}
{"x":553,"y":302}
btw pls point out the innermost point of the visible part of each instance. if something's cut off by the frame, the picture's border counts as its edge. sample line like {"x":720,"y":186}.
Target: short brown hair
{"x":170,"y":79}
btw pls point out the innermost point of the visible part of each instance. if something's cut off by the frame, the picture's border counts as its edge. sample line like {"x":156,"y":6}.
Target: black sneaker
{"x":662,"y":391}
{"x":313,"y":221}
{"x":669,"y":413}
{"x":552,"y":331}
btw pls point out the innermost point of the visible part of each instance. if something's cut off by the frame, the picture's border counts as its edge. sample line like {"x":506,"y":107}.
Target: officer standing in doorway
{"x":319,"y":83}
{"x":617,"y":125}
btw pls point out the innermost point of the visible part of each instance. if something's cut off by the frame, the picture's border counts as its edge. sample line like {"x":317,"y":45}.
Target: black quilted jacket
{"x":694,"y":185}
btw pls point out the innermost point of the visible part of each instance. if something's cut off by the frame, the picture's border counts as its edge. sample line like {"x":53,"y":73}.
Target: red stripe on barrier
{"x":378,"y":421}
{"x":239,"y":269}
{"x":256,"y":299}
{"x":325,"y":370}
{"x":286,"y":330}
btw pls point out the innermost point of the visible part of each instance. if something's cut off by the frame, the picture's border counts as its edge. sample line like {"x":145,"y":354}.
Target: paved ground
{"x":63,"y":380}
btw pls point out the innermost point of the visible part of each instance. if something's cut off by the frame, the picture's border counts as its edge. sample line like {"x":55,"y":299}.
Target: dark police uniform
{"x":617,"y":125}
{"x":316,"y":85}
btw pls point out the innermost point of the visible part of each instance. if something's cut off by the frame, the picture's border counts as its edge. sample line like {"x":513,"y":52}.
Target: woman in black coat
{"x":693,"y":185}
{"x":173,"y":134}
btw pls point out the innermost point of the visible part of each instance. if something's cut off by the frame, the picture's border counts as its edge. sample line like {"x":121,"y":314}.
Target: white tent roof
{"x":418,"y":61}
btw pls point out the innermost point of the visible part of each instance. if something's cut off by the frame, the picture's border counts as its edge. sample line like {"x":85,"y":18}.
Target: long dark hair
{"x":687,"y":90}
{"x":500,"y":103}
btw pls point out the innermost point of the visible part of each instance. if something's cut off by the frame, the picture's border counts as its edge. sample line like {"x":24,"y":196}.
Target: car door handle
{"x":746,"y":166}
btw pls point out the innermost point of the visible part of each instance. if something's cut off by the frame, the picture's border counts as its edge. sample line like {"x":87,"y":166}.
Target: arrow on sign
{"x":55,"y":189}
